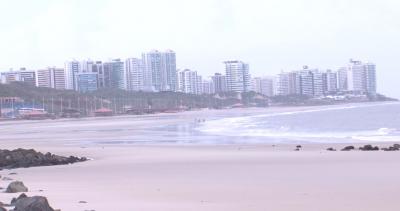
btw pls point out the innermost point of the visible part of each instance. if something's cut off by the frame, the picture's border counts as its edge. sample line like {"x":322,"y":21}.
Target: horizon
{"x":268,"y":35}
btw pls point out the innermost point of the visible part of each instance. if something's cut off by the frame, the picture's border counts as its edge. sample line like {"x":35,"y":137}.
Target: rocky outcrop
{"x":23,"y":158}
{"x":35,"y":203}
{"x":348,"y":148}
{"x":369,"y":148}
{"x":16,"y":187}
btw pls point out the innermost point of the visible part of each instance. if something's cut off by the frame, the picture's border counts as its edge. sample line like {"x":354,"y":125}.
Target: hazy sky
{"x":271,"y":35}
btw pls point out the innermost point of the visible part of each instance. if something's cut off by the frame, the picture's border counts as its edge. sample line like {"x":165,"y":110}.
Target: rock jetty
{"x":24,"y":158}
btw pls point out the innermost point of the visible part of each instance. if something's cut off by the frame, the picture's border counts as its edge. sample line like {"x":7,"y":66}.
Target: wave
{"x":249,"y":127}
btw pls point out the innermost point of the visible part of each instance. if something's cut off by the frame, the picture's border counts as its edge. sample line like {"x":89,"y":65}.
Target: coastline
{"x":200,"y":177}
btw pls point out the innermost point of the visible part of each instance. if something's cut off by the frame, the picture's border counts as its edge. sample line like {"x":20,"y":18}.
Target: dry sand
{"x":185,"y":178}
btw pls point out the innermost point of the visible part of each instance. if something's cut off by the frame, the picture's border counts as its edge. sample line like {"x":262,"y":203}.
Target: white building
{"x":160,"y":70}
{"x":331,"y":81}
{"x":237,"y":76}
{"x":219,"y":83}
{"x":51,"y":77}
{"x":72,"y":68}
{"x":361,"y":77}
{"x":135,"y":74}
{"x":188,"y":81}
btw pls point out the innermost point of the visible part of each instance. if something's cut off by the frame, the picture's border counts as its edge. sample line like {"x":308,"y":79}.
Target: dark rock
{"x":14,"y":200}
{"x":298,"y":146}
{"x":23,"y":158}
{"x":369,"y":148}
{"x":16,"y":187}
{"x":331,"y":149}
{"x":390,"y":149}
{"x":396,"y":146}
{"x":2,"y":209}
{"x":35,"y":203}
{"x":12,"y":173}
{"x":348,"y":148}
{"x":82,"y":202}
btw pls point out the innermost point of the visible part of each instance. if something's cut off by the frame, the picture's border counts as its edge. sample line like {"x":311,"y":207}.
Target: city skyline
{"x":206,"y":33}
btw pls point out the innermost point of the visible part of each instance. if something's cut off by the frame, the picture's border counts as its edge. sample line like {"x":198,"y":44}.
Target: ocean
{"x":351,"y":123}
{"x":374,"y":122}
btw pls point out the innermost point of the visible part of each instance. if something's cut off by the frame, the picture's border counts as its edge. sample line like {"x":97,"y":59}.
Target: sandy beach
{"x":196,"y":177}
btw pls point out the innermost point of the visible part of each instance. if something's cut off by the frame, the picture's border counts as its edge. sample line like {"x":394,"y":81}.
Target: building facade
{"x":237,"y":76}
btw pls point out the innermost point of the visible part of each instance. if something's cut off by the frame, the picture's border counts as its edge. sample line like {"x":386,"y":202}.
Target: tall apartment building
{"x":219,"y":83}
{"x":267,"y":86}
{"x":208,"y":87}
{"x":361,"y":77}
{"x":22,"y":75}
{"x":330,"y":81}
{"x":288,"y":83}
{"x":51,"y":77}
{"x":188,"y":82}
{"x":135,"y":74}
{"x":237,"y":76}
{"x":160,"y":70}
{"x":97,"y":68}
{"x":114,"y":74}
{"x":72,"y":68}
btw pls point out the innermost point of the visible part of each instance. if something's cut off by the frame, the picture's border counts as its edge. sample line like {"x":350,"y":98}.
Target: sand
{"x":202,"y":177}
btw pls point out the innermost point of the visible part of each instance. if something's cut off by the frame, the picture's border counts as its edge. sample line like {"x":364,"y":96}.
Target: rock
{"x":348,"y":148}
{"x":12,"y":173}
{"x":23,"y":158}
{"x":369,"y":148}
{"x":298,"y":146}
{"x":396,"y":146}
{"x":2,"y":209}
{"x":35,"y":203}
{"x":16,"y":187}
{"x":390,"y":149}
{"x":331,"y":149}
{"x":82,"y":202}
{"x":14,"y":200}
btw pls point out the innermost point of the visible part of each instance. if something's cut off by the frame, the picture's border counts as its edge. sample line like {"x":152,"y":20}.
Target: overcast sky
{"x":271,"y":35}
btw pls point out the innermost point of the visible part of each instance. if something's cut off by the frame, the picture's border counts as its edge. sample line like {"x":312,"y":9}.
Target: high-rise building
{"x":114,"y":74}
{"x":72,"y":68}
{"x":86,"y":82}
{"x":237,"y":76}
{"x":135,"y":74}
{"x":267,"y":86}
{"x":51,"y":77}
{"x":97,"y":67}
{"x":361,"y":77}
{"x":219,"y":83}
{"x":160,"y":70}
{"x":188,"y":81}
{"x":330,"y":81}
{"x":208,"y":87}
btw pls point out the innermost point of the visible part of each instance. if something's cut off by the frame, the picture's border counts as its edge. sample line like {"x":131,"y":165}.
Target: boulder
{"x":348,"y":148}
{"x":331,"y":149}
{"x":35,"y":203}
{"x":14,"y":200}
{"x":369,"y":148}
{"x":2,"y":209}
{"x":16,"y":187}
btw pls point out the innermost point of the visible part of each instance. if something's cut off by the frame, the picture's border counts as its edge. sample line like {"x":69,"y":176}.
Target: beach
{"x":125,"y":175}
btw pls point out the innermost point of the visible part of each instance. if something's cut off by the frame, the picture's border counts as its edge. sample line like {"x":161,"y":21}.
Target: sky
{"x":270,"y":35}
